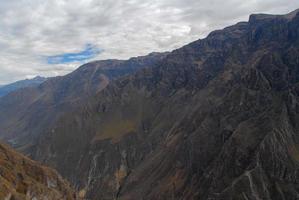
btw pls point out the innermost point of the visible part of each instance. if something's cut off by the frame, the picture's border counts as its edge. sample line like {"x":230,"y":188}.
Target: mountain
{"x":215,"y":119}
{"x":21,"y":178}
{"x":26,"y":114}
{"x":5,"y":89}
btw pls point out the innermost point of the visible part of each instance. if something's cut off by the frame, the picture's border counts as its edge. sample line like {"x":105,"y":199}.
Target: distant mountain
{"x":22,"y":178}
{"x":5,"y":89}
{"x":215,"y":119}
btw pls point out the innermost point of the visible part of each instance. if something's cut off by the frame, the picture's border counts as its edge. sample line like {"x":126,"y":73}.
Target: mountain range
{"x":215,"y":119}
{"x":6,"y":89}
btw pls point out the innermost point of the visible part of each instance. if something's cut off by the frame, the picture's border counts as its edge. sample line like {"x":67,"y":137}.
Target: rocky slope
{"x":27,"y":113}
{"x":21,"y":178}
{"x":6,"y":89}
{"x":215,"y":119}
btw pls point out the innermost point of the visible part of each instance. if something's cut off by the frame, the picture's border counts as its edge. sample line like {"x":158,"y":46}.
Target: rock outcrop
{"x":22,"y":178}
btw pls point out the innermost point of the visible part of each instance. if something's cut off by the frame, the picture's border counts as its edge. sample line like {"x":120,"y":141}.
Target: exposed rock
{"x":21,"y":178}
{"x":215,"y":119}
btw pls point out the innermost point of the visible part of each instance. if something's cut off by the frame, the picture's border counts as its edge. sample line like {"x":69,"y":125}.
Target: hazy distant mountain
{"x":5,"y":89}
{"x":215,"y":119}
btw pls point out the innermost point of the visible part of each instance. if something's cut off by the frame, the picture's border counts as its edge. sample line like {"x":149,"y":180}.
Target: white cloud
{"x":31,"y":30}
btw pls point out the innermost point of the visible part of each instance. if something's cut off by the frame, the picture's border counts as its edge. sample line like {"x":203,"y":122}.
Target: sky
{"x":54,"y":37}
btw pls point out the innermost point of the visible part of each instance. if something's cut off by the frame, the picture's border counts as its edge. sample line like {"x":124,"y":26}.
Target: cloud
{"x":58,"y":30}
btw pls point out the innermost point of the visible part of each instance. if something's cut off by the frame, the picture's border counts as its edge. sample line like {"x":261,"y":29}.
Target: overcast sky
{"x":54,"y":37}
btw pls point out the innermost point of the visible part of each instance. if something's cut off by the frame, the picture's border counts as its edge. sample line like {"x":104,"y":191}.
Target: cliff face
{"x":27,"y":113}
{"x":21,"y":178}
{"x":216,"y":119}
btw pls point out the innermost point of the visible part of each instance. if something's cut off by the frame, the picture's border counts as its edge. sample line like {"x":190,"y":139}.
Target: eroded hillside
{"x":22,"y":178}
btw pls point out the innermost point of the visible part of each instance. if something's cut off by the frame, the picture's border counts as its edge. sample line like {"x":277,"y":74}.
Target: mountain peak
{"x":292,"y":14}
{"x":262,"y":16}
{"x":38,"y":78}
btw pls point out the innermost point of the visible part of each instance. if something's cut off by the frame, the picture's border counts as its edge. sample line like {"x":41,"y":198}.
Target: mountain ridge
{"x":22,"y":178}
{"x":215,"y":119}
{"x":6,"y":89}
{"x":41,"y":106}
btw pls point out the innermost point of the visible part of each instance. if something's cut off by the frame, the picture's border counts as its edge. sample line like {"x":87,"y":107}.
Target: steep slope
{"x":27,"y":113}
{"x":216,"y":119}
{"x":21,"y":178}
{"x":5,"y":89}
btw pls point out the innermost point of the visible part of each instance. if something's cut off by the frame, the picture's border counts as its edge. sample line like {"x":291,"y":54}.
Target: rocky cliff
{"x":21,"y":178}
{"x":215,"y":119}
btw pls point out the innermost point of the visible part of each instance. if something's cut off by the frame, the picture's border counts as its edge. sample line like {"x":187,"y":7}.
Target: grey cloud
{"x":34,"y":29}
